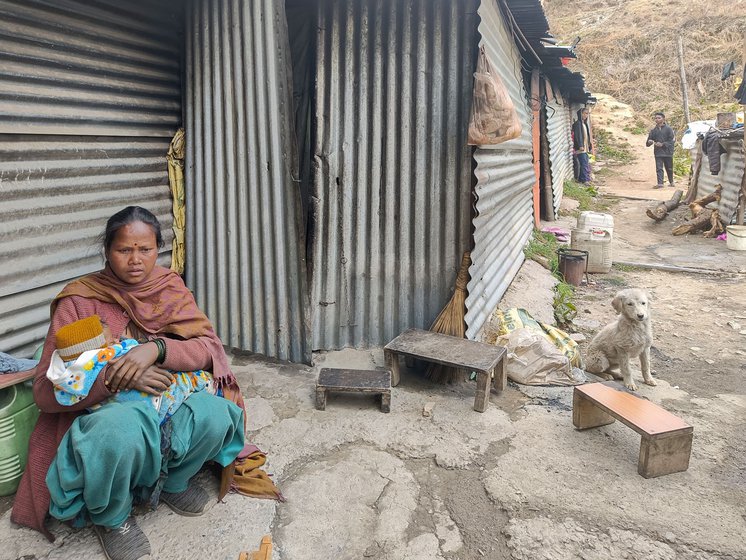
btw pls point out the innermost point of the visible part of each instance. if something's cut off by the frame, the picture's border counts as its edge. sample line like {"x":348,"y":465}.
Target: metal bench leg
{"x":585,"y":414}
{"x":483,"y":392}
{"x":664,"y":454}
{"x":392,"y":361}
{"x":320,"y":398}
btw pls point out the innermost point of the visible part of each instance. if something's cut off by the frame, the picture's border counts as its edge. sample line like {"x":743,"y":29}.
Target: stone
{"x":427,"y":410}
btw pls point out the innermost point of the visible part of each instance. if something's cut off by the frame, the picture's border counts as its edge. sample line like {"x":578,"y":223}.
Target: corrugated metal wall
{"x":89,"y":97}
{"x":505,"y":178}
{"x":392,"y":171}
{"x":560,"y":148}
{"x":244,"y":247}
{"x":731,"y":172}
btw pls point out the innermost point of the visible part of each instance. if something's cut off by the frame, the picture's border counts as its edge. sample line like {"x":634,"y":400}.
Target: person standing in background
{"x":662,"y":138}
{"x":583,"y":146}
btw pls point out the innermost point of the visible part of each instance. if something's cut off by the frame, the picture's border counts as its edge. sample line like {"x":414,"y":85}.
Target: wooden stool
{"x":666,"y":439}
{"x":486,"y":360}
{"x":354,"y":381}
{"x":264,"y":552}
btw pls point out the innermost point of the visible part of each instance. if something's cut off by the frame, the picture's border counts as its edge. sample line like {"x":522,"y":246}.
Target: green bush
{"x":544,"y":246}
{"x":682,"y":161}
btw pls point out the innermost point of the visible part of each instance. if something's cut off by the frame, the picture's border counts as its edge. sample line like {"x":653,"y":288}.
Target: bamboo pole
{"x":684,"y":87}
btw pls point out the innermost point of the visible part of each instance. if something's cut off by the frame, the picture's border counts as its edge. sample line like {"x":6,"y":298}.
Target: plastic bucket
{"x":588,"y":221}
{"x":736,"y":238}
{"x":18,"y":414}
{"x":572,"y":265}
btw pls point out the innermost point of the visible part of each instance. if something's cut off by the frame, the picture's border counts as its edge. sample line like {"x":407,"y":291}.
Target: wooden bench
{"x":486,"y":360}
{"x":666,"y":439}
{"x":354,"y":381}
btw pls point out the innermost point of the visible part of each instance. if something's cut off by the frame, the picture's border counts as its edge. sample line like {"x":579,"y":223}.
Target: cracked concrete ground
{"x":514,"y":482}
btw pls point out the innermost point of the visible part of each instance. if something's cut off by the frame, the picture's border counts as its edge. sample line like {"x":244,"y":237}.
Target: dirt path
{"x":699,"y":319}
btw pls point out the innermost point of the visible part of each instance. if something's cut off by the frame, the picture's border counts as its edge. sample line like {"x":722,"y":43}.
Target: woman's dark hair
{"x":130,"y":215}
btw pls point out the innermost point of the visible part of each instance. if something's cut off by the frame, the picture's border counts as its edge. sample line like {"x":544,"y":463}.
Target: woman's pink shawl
{"x":161,"y":305}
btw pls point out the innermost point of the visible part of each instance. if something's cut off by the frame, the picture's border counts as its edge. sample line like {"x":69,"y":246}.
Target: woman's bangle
{"x":161,"y":344}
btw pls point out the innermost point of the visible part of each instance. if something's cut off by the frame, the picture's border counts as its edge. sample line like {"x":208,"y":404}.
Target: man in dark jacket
{"x":582,"y":143}
{"x":662,"y":138}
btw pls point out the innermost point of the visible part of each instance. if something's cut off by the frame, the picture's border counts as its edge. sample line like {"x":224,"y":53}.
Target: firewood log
{"x":661,"y":211}
{"x":697,"y":206}
{"x":717,"y":226}
{"x":698,"y":223}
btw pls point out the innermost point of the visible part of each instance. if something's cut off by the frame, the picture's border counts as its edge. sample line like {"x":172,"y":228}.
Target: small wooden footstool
{"x":666,"y":442}
{"x":354,"y":381}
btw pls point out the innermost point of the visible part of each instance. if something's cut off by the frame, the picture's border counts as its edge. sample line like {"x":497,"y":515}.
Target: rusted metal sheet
{"x":731,"y":172}
{"x":392,"y":169}
{"x":505,"y":178}
{"x":57,"y":193}
{"x":560,"y":148}
{"x":76,"y":67}
{"x":245,"y":246}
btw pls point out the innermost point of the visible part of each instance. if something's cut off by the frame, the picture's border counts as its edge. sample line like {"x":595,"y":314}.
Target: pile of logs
{"x":703,"y":217}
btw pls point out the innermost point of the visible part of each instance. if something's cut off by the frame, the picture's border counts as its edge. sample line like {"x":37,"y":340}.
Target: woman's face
{"x":133,"y":252}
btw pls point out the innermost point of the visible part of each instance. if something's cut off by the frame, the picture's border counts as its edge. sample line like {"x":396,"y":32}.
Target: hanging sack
{"x":493,"y":115}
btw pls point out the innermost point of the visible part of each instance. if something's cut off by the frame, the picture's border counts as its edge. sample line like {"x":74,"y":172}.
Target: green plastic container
{"x":18,"y":414}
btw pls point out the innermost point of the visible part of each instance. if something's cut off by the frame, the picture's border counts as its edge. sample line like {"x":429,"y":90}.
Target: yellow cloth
{"x":175,"y":159}
{"x":250,"y":480}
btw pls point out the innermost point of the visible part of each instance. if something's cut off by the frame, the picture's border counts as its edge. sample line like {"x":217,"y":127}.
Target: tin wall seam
{"x":75,"y":68}
{"x":731,"y":172}
{"x":89,"y":98}
{"x":244,"y":247}
{"x":392,"y":171}
{"x":560,"y":149}
{"x":505,"y":178}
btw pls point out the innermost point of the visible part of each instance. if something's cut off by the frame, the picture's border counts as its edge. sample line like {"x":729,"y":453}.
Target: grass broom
{"x":451,"y":321}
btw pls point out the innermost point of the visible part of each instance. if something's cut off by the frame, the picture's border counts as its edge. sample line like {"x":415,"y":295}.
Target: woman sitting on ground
{"x":98,"y":458}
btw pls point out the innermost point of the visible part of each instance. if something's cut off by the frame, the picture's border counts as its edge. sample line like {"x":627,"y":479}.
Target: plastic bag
{"x":493,"y":115}
{"x":534,"y":360}
{"x":503,"y":322}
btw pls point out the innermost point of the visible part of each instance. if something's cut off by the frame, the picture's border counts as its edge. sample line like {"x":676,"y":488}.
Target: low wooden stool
{"x":666,"y":442}
{"x":264,"y":552}
{"x":486,"y":360}
{"x":354,"y":381}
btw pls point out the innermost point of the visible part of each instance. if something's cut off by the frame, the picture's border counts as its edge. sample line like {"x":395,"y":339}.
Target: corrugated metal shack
{"x":90,"y":96}
{"x":730,"y":176}
{"x":330,"y":190}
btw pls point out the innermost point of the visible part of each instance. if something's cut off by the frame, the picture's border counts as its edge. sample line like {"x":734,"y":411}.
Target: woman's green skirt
{"x":109,"y":455}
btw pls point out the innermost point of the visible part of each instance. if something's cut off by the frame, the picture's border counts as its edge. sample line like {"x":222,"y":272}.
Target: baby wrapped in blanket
{"x":84,"y":347}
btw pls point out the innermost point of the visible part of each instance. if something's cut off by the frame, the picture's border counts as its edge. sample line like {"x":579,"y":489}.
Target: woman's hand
{"x":124,"y":372}
{"x":153,"y":381}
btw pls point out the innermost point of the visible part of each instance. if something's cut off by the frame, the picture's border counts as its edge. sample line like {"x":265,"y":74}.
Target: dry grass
{"x":628,"y":50}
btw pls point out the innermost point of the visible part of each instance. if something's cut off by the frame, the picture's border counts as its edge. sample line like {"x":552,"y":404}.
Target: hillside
{"x":628,"y":49}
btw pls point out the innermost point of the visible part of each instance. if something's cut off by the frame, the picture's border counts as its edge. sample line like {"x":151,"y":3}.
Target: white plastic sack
{"x":689,"y":140}
{"x":533,"y":360}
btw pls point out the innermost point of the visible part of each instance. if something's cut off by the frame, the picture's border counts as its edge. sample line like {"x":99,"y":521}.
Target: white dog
{"x":628,"y":336}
